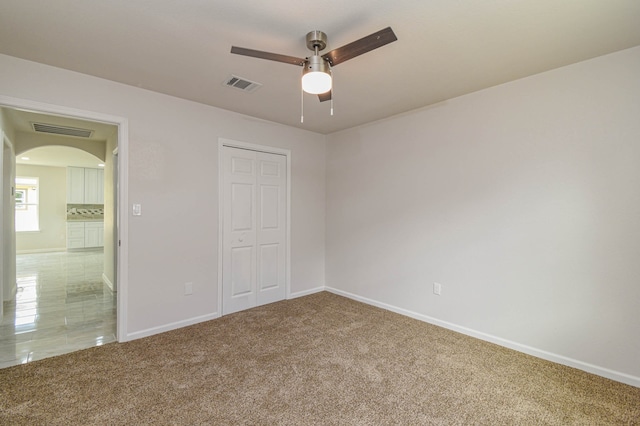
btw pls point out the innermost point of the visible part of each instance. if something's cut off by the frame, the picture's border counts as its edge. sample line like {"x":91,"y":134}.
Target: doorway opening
{"x":95,"y":287}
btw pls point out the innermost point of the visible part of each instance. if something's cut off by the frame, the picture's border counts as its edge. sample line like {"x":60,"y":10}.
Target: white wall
{"x":52,"y":206}
{"x":523,"y":200}
{"x":173,"y":142}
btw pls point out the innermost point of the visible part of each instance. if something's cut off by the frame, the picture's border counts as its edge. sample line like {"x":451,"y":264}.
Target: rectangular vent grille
{"x":242,"y":84}
{"x":61,"y":130}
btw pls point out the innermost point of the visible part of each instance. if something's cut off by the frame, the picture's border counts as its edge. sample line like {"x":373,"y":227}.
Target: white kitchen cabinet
{"x":100,"y":190}
{"x":85,"y":186}
{"x":93,"y":186}
{"x":85,"y":235}
{"x":93,"y":234}
{"x":75,"y":185}
{"x":75,"y":235}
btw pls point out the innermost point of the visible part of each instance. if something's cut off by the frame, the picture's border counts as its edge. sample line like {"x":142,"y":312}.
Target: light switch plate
{"x":437,"y":289}
{"x":137,"y":210}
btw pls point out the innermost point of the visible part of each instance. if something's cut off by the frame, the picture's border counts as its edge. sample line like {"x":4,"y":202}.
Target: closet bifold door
{"x":254,"y":229}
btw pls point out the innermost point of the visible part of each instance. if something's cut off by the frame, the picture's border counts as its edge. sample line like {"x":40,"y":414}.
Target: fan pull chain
{"x":332,"y":88}
{"x":301,"y":105}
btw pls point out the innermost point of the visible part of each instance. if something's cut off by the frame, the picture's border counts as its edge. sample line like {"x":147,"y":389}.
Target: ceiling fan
{"x":316,"y":74}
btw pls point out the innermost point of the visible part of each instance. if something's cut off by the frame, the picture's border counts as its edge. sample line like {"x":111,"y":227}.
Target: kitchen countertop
{"x":84,"y":219}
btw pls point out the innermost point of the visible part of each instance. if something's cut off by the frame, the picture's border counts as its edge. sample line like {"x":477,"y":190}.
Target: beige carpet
{"x":320,"y":359}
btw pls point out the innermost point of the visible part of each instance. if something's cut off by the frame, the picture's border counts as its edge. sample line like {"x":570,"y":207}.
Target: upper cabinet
{"x":93,"y":186}
{"x":85,"y":186}
{"x":75,"y":185}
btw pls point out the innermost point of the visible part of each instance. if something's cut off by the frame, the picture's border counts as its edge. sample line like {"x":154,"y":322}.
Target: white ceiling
{"x":445,"y":48}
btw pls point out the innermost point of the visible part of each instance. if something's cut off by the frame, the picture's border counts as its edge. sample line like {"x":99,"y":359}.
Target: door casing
{"x":123,"y":167}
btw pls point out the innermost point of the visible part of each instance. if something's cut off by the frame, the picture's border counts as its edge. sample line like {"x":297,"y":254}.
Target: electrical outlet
{"x":188,"y":289}
{"x":437,"y":289}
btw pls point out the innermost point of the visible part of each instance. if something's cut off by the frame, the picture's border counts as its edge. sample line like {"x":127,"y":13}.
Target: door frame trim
{"x":222,"y":142}
{"x":5,"y":142}
{"x":123,"y":159}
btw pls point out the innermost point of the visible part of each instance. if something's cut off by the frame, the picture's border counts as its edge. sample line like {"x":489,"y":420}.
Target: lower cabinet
{"x":85,"y":235}
{"x":75,"y":235}
{"x":93,"y":234}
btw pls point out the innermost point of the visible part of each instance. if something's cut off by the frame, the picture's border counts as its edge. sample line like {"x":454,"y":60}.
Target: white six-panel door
{"x":254,"y":229}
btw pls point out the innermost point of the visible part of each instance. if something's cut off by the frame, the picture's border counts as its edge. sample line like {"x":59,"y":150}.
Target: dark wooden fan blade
{"x":358,"y":47}
{"x":267,"y":55}
{"x":325,"y":96}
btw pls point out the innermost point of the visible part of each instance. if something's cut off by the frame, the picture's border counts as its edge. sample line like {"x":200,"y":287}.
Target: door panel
{"x":241,"y":271}
{"x":271,"y":234}
{"x":269,"y":169}
{"x":242,"y":166}
{"x":242,"y":206}
{"x":254,"y":229}
{"x":239,"y":231}
{"x":270,"y":196}
{"x":268,"y":266}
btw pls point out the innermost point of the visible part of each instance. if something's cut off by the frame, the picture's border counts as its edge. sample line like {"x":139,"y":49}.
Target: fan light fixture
{"x":316,"y":77}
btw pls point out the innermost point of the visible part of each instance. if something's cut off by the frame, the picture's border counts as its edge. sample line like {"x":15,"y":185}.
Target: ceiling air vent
{"x":242,"y":84}
{"x":62,"y":130}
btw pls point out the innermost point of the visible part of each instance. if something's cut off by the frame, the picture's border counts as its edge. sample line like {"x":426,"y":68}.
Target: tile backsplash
{"x":85,"y":211}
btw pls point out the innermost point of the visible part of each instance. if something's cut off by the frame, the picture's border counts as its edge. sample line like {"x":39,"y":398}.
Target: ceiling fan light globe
{"x":316,"y":82}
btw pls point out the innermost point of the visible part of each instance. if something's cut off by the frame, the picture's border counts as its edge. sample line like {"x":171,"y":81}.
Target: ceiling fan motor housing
{"x":316,"y":63}
{"x":316,"y":39}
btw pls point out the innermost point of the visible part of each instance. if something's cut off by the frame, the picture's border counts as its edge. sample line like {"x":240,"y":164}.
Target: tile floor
{"x":61,"y":306}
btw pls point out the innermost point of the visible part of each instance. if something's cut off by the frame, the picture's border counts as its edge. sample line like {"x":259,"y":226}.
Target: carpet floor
{"x":316,"y":360}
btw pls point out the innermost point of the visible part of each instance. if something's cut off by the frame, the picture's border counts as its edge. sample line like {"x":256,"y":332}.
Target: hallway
{"x":61,"y":306}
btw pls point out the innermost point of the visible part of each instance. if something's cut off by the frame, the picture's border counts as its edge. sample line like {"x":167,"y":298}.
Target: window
{"x":27,"y":212}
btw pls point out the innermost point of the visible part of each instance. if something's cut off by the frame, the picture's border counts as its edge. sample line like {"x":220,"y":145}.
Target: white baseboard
{"x":107,"y":281}
{"x":195,"y":320}
{"x":559,"y":359}
{"x":168,"y":327}
{"x":306,"y":292}
{"x":47,"y":250}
